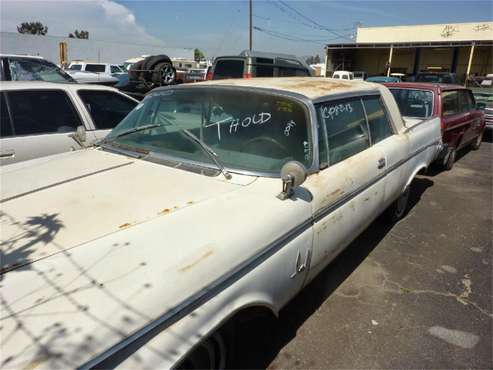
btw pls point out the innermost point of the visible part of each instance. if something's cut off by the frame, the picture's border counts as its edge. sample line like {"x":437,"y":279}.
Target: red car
{"x":462,"y":122}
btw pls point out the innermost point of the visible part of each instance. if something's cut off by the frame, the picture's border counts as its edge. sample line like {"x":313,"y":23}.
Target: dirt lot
{"x":414,"y":295}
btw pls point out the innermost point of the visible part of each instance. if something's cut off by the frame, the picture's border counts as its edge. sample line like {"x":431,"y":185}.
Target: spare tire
{"x":133,"y":72}
{"x":151,"y":62}
{"x":163,"y":74}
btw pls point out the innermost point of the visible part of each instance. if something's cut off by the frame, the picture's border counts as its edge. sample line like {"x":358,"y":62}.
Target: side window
{"x":345,"y":77}
{"x":115,"y":69}
{"x":106,"y":108}
{"x":467,"y":101}
{"x":264,"y":71}
{"x":347,"y":131}
{"x":228,"y":69}
{"x":5,"y":124}
{"x":450,"y":103}
{"x":42,"y":111}
{"x":378,"y":120}
{"x":288,"y":72}
{"x":95,"y":67}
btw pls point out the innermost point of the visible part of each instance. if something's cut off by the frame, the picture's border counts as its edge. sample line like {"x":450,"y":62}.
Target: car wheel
{"x":211,"y":353}
{"x":163,"y":74}
{"x":449,"y":163}
{"x":477,"y":143}
{"x":398,"y":209}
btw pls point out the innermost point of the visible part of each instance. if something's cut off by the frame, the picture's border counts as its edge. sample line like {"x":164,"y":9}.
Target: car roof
{"x":424,"y":85}
{"x":21,"y":56}
{"x":310,"y":87}
{"x":34,"y":85}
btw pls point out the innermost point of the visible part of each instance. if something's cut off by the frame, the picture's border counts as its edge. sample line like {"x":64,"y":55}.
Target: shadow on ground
{"x":258,"y":343}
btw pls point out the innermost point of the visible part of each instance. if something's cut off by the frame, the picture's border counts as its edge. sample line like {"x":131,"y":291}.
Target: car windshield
{"x":25,"y":69}
{"x":246,"y":130}
{"x":414,"y":102}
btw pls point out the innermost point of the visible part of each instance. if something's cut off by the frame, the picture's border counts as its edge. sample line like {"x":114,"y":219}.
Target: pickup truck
{"x":461,"y":119}
{"x":208,"y":202}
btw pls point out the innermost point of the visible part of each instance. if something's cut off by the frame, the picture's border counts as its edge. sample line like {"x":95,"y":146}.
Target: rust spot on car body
{"x":125,"y":225}
{"x":204,"y":255}
{"x":164,"y":211}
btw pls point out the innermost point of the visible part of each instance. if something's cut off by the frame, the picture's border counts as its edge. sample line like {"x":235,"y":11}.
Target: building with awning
{"x":462,"y":48}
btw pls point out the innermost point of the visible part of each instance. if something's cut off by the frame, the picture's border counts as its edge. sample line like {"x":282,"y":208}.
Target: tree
{"x":198,"y":55}
{"x":32,"y":28}
{"x":79,"y":34}
{"x":316,"y":60}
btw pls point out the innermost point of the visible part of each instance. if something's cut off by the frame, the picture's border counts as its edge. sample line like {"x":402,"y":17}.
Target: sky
{"x":221,"y":27}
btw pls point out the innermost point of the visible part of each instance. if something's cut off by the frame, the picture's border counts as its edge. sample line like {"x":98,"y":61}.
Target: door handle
{"x":381,"y":163}
{"x":7,"y":154}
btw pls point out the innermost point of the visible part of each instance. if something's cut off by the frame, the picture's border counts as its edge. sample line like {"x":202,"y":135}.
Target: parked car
{"x":196,"y":209}
{"x":97,"y":73}
{"x":462,"y":121}
{"x":343,"y":75}
{"x":41,"y":118}
{"x":383,"y":79}
{"x":360,"y":75}
{"x":30,"y":68}
{"x":436,"y":77}
{"x":484,"y":101}
{"x":251,"y":64}
{"x":106,"y":68}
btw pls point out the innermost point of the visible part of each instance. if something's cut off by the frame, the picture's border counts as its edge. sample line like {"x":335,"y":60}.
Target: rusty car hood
{"x":56,"y":203}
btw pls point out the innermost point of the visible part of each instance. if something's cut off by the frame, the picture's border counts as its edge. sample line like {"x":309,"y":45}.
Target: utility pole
{"x":250,"y":26}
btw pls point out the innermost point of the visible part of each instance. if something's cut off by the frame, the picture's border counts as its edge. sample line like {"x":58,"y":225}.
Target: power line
{"x":291,"y":37}
{"x":307,"y":21}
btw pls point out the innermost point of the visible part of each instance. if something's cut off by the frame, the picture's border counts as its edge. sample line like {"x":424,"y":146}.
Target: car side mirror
{"x":81,"y":133}
{"x":293,"y":174}
{"x":480,"y":105}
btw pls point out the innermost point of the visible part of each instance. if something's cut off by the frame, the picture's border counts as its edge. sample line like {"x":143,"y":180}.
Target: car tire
{"x":449,"y":163}
{"x":150,"y":64}
{"x":477,"y":143}
{"x":211,"y":353}
{"x":163,"y":74}
{"x":398,"y":209}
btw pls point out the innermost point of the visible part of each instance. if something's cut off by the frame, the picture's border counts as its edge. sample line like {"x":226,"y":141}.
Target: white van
{"x":343,"y":75}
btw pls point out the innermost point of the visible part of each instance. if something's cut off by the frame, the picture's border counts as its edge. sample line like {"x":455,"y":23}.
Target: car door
{"x":455,"y":121}
{"x":105,"y":108}
{"x":348,"y":191}
{"x":42,"y":122}
{"x":468,"y":107}
{"x":393,"y":146}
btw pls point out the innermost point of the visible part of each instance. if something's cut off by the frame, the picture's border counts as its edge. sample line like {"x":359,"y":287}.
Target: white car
{"x":209,"y":201}
{"x":42,"y":118}
{"x":97,"y":73}
{"x":106,"y":68}
{"x":343,"y":75}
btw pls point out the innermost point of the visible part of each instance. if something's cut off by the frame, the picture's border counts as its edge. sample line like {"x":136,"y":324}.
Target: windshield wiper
{"x":137,"y":129}
{"x":208,"y":150}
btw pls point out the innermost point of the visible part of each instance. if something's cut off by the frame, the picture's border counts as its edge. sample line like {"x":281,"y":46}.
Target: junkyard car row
{"x":207,"y":201}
